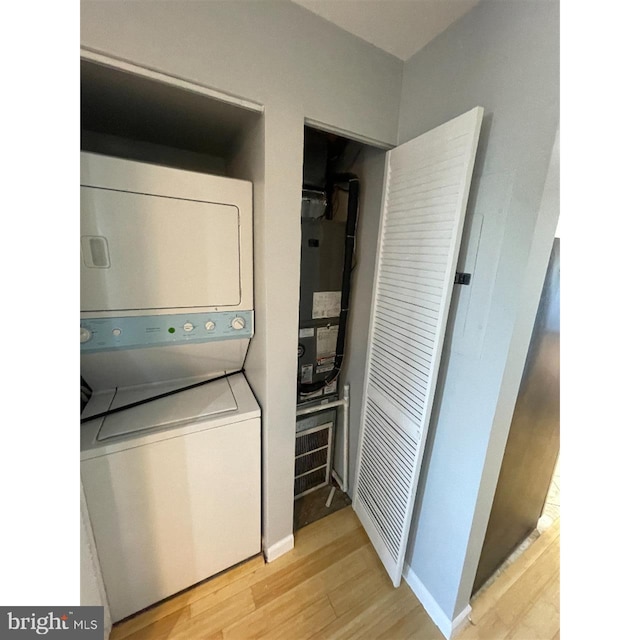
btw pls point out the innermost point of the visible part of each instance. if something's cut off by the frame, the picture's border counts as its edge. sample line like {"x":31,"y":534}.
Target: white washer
{"x":172,"y":486}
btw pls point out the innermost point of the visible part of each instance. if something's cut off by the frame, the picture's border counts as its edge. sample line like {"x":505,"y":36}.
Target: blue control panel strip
{"x":109,"y":334}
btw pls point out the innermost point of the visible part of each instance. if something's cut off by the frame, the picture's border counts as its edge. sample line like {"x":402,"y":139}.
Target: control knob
{"x":209,"y":326}
{"x":187,"y":326}
{"x":85,"y":335}
{"x":238,"y":323}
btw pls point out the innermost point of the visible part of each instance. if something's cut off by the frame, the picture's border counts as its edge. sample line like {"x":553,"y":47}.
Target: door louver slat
{"x":427,"y":286}
{"x":414,"y":359}
{"x":426,"y":190}
{"x":409,"y":333}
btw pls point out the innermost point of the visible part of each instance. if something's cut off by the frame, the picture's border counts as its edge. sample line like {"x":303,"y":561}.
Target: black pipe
{"x":306,"y":388}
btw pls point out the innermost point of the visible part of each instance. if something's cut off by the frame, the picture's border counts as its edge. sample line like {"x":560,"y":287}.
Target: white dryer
{"x":173,"y":485}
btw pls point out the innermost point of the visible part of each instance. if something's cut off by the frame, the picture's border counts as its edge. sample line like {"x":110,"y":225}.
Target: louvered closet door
{"x":425,"y":196}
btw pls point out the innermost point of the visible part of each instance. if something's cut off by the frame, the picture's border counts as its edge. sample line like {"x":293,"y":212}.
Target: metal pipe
{"x":345,"y":438}
{"x":338,"y":479}
{"x":319,"y":407}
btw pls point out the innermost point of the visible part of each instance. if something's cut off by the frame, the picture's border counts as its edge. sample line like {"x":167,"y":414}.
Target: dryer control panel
{"x":108,"y":334}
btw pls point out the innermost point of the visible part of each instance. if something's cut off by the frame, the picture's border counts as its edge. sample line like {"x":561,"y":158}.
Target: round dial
{"x":238,"y":323}
{"x":85,"y":335}
{"x":209,"y":326}
{"x":187,"y":326}
{"x":116,"y":332}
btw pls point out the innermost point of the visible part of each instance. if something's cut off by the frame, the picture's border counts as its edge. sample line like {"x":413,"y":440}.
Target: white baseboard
{"x":279,"y":548}
{"x":461,"y":621}
{"x":450,"y":628}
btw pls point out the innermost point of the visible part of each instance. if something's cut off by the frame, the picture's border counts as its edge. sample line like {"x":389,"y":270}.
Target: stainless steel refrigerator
{"x":533,"y":444}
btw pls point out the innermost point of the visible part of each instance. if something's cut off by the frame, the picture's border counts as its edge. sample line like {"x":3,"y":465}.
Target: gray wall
{"x":298,"y":66}
{"x":503,"y":56}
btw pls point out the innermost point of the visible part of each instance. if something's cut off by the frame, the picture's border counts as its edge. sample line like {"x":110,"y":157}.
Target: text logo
{"x":86,"y":623}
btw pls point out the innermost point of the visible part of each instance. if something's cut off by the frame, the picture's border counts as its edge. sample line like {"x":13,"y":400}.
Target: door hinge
{"x":462,"y":278}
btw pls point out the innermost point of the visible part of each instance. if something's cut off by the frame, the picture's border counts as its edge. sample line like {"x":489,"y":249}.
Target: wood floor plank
{"x":277,"y":612}
{"x":360,"y":590}
{"x":422,"y":634}
{"x":217,"y":597}
{"x":354,"y":596}
{"x":515,"y":600}
{"x":512,"y":604}
{"x":309,"y":621}
{"x":382,"y":619}
{"x":415,"y":624}
{"x":378,"y":615}
{"x":332,"y":586}
{"x":160,"y":629}
{"x":488,"y":597}
{"x":215,"y":619}
{"x":321,"y":533}
{"x":304,"y":593}
{"x":314,"y":563}
{"x":542,"y":620}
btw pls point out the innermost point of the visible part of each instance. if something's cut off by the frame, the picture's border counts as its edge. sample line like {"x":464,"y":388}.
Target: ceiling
{"x":399,"y":27}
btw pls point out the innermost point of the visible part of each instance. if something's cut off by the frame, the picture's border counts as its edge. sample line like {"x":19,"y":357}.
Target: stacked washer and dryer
{"x":170,"y":439}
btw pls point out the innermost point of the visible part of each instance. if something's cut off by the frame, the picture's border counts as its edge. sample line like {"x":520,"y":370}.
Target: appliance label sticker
{"x":324,"y":368}
{"x":306,"y":373}
{"x":326,"y":304}
{"x":306,"y":333}
{"x":331,"y":388}
{"x":326,"y":341}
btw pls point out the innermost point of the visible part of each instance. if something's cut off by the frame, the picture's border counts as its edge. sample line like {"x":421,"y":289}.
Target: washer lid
{"x":187,"y":406}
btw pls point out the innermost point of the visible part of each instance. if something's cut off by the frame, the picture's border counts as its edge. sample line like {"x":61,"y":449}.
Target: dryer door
{"x":150,"y":252}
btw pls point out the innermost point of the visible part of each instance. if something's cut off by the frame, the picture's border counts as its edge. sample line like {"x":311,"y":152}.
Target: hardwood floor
{"x":333,"y":586}
{"x":523,"y":603}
